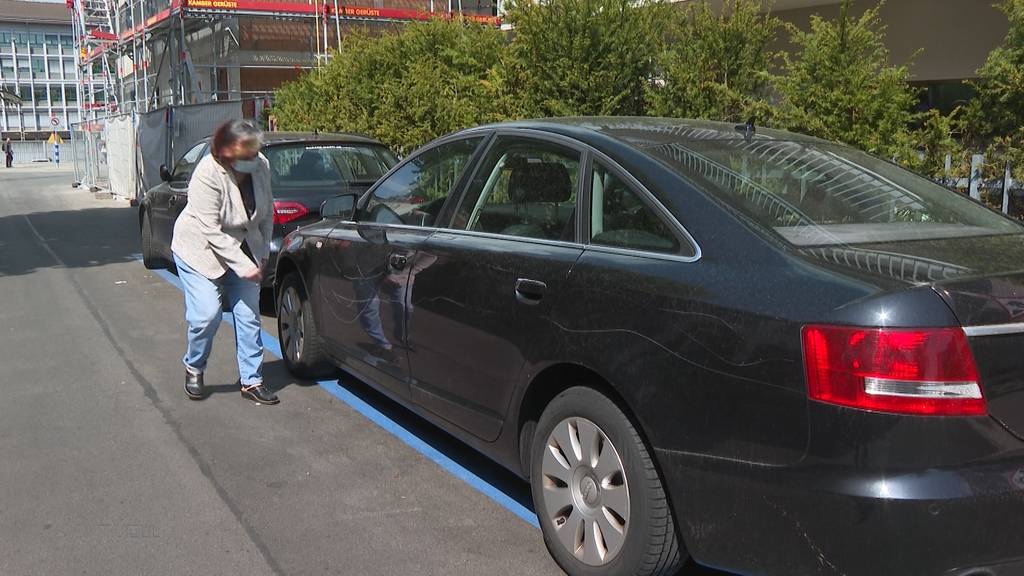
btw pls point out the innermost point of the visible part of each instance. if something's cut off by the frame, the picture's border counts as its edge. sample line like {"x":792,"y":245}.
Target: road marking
{"x":45,"y":244}
{"x":334,"y":388}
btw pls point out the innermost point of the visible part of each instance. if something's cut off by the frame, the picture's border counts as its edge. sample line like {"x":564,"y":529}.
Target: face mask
{"x":245,"y":166}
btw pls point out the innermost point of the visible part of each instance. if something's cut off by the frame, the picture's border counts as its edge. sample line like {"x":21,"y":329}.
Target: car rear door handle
{"x":530,"y":292}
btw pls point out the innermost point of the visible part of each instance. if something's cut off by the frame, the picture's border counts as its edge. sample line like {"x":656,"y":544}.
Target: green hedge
{"x":622,"y":57}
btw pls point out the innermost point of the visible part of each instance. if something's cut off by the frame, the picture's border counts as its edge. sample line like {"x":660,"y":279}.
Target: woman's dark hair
{"x":231,"y":132}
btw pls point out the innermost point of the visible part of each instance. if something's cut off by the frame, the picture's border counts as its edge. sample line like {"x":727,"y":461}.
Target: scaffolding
{"x":137,"y":58}
{"x":138,"y":55}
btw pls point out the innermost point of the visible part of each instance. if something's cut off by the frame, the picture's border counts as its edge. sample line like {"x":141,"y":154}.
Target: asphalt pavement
{"x":107,"y":469}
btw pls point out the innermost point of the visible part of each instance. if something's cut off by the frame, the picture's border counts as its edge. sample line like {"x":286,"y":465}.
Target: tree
{"x":994,"y":120}
{"x":840,"y":85}
{"x":579,"y":57}
{"x":714,"y":65}
{"x":405,"y":88}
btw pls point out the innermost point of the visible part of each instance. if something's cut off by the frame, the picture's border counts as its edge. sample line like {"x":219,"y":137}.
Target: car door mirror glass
{"x":342,"y":206}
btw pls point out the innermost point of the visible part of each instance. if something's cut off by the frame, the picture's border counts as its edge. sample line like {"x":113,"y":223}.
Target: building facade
{"x":943,"y":42}
{"x":38,"y":70}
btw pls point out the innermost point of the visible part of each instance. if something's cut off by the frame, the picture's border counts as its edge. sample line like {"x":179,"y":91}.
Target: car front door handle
{"x":397,"y":262}
{"x":530,"y":292}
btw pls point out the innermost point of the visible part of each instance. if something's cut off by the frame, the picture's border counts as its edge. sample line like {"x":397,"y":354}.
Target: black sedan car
{"x":770,"y":353}
{"x":305,"y":170}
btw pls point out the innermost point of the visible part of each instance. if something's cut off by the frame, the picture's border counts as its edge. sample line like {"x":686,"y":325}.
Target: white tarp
{"x":121,"y":155}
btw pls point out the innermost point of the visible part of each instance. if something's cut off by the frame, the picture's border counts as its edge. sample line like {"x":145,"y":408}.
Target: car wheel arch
{"x":285,"y":267}
{"x":548,"y":383}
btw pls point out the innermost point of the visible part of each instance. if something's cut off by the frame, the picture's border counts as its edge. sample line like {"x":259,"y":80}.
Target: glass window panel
{"x":620,"y":217}
{"x":416,"y":193}
{"x":524,"y":187}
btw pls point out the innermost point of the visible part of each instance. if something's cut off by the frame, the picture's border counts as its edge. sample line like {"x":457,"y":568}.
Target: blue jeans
{"x":203,"y":311}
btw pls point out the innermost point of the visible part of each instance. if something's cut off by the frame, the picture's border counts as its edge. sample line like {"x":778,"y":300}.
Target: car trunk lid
{"x":991,"y":308}
{"x":981,"y":279}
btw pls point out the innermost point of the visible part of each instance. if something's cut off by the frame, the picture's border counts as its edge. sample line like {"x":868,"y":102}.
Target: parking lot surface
{"x":106,"y":468}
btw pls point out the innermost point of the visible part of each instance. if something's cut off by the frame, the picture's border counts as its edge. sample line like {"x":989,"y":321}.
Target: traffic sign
{"x":55,"y":121}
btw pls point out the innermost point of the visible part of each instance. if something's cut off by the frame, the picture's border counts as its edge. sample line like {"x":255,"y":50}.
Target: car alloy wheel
{"x":585,"y":492}
{"x":292,"y":330}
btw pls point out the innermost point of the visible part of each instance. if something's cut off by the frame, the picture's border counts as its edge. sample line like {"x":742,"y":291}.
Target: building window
{"x":7,"y":67}
{"x":6,"y":37}
{"x":38,"y":68}
{"x":41,"y":98}
{"x":52,"y":40}
{"x":21,"y":38}
{"x":67,"y":41}
{"x":36,"y":39}
{"x":69,"y":68}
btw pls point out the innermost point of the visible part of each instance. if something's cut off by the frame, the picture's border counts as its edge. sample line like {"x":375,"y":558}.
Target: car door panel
{"x":470,"y":331}
{"x":483,"y":308}
{"x":364,"y":275}
{"x":369,"y":262}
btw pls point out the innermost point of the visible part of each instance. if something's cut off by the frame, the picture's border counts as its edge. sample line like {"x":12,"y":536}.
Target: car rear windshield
{"x":819,"y":194}
{"x":318,"y":165}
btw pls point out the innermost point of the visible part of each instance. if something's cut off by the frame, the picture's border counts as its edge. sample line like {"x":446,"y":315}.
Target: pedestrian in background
{"x":9,"y":152}
{"x":220,"y":245}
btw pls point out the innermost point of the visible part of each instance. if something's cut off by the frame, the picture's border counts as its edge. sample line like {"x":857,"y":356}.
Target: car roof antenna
{"x":747,"y":129}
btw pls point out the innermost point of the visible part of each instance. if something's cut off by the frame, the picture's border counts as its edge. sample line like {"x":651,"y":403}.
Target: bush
{"x":405,"y":89}
{"x":840,"y":85}
{"x":714,"y":65}
{"x":579,"y":57}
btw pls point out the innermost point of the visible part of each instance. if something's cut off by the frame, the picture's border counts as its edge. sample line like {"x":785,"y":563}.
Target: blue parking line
{"x":336,"y":389}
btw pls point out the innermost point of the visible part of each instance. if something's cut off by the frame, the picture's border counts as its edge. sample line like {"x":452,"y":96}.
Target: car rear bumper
{"x":754,"y":519}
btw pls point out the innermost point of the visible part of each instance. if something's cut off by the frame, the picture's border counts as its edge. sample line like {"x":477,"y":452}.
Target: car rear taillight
{"x":285,"y":212}
{"x":921,"y":371}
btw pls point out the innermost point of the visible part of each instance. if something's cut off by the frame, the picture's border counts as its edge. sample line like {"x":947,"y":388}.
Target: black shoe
{"x":194,"y":387}
{"x":260,"y":394}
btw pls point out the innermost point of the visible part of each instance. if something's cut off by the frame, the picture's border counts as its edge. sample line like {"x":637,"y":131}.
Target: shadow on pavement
{"x":83,"y":238}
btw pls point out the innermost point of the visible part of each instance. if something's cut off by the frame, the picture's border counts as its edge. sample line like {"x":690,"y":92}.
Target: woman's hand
{"x":256,"y":275}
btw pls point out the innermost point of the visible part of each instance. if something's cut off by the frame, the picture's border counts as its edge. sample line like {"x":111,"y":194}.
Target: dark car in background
{"x":305,"y":170}
{"x":772,"y":353}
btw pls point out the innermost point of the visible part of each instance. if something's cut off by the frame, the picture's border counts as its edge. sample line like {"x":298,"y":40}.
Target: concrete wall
{"x":954,"y":36}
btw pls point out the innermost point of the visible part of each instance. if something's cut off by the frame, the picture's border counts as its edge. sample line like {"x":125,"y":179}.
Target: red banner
{"x":327,"y":9}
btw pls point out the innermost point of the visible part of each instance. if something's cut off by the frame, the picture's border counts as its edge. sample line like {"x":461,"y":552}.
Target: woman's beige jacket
{"x":209,"y":232}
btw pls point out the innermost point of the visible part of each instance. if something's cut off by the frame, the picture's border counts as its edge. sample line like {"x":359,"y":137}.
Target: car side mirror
{"x":165,"y":174}
{"x":342,"y":206}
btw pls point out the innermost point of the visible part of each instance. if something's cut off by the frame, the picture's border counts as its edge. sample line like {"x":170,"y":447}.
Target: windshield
{"x":319,"y":165}
{"x":818,"y":194}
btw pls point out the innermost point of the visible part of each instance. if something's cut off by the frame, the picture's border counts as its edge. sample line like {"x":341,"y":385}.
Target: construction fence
{"x":122,"y":153}
{"x":42,"y":151}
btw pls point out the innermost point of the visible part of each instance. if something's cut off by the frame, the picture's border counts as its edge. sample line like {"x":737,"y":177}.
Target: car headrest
{"x":539,"y":182}
{"x":310,"y":163}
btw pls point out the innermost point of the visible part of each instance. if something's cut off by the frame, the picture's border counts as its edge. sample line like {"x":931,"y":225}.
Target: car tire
{"x":150,"y":259}
{"x":301,"y":346}
{"x":609,"y":497}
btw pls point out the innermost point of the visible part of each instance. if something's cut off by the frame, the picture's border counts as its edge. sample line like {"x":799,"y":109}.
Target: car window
{"x":620,"y":217}
{"x":416,"y":192}
{"x":327,"y":165}
{"x":814,"y":193}
{"x":183,"y":170}
{"x":524,"y":187}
